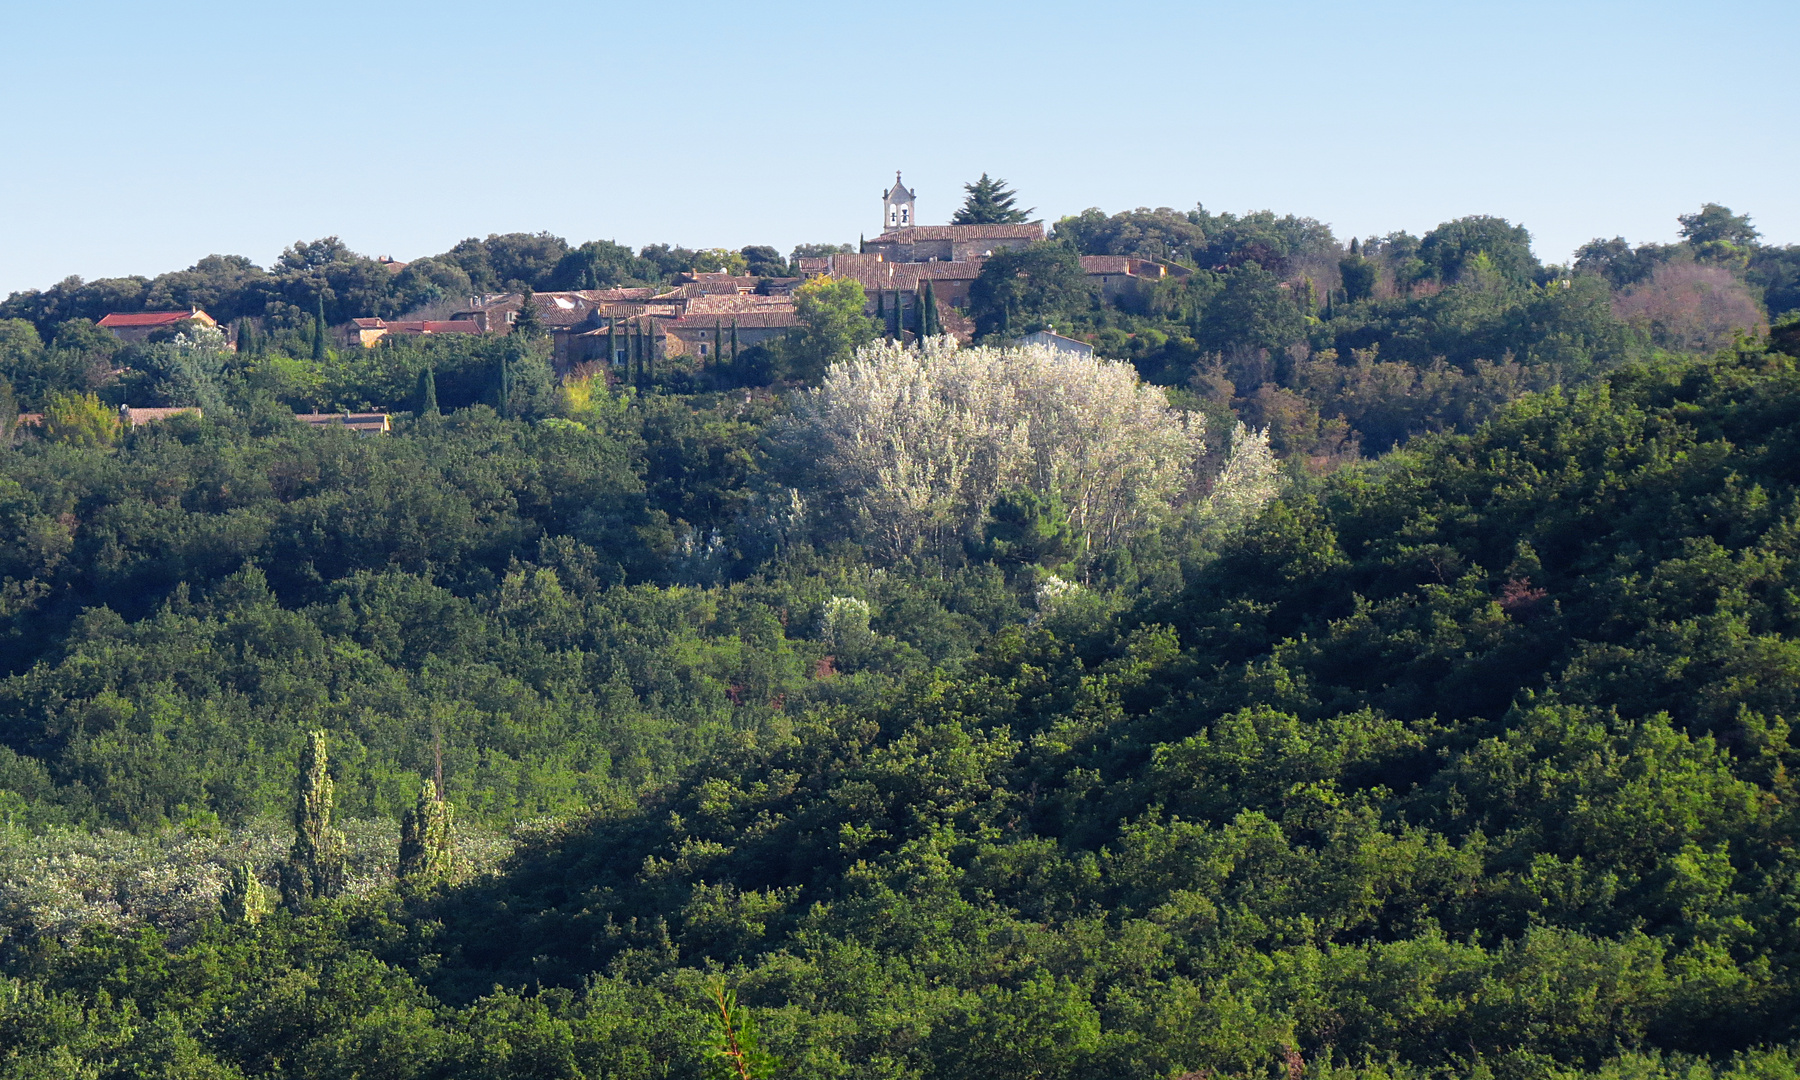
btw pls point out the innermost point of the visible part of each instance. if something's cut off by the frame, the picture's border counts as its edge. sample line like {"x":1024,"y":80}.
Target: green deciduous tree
{"x":1449,"y":248}
{"x":245,"y":899}
{"x":832,"y":324}
{"x":79,"y":420}
{"x":1253,"y":311}
{"x":1713,"y":224}
{"x":1358,"y":275}
{"x":426,"y":846}
{"x":1023,"y":289}
{"x":315,"y":868}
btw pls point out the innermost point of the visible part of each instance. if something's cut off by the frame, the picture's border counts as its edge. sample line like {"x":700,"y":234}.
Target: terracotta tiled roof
{"x":1107,"y":264}
{"x":368,"y":324}
{"x":435,"y":326}
{"x":714,"y":305}
{"x":744,"y":320}
{"x":1133,"y":265}
{"x":1033,"y":230}
{"x":887,"y":276}
{"x":118,"y":319}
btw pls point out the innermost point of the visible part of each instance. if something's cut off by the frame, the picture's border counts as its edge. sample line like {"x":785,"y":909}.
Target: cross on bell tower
{"x":897,"y":206}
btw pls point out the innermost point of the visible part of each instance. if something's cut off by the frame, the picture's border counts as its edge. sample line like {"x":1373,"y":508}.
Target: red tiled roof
{"x":144,"y":318}
{"x":744,"y":320}
{"x":434,"y":326}
{"x":714,"y":305}
{"x":1106,"y":264}
{"x":911,"y":233}
{"x":887,"y":276}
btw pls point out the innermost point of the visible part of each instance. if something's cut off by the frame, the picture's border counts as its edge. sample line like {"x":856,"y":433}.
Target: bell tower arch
{"x":897,"y":206}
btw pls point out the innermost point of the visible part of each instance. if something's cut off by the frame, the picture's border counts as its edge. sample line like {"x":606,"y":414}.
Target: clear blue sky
{"x":141,"y":137}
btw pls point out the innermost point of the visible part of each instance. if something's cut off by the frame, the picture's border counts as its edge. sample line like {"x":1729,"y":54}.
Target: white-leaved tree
{"x":915,"y":444}
{"x":1249,"y":481}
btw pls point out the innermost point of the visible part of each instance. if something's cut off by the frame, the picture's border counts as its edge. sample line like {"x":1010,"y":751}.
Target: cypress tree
{"x":426,"y":849}
{"x":649,"y":349}
{"x":734,"y":346}
{"x":881,"y":310}
{"x":612,"y":342}
{"x":318,"y":339}
{"x":315,"y":865}
{"x":425,"y":397}
{"x":718,"y":340}
{"x":932,"y":327}
{"x":503,"y":391}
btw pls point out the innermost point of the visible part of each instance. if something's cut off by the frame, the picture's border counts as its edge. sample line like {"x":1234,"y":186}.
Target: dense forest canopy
{"x":1377,"y":660}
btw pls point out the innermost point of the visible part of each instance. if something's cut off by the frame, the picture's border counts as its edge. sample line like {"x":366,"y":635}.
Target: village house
{"x":366,"y":332}
{"x":1121,"y":275}
{"x":1056,"y":341}
{"x":135,"y":326}
{"x":710,"y":338}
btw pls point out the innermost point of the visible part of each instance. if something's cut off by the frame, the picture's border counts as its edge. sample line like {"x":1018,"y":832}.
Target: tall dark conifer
{"x":425,"y":401}
{"x":318,"y":336}
{"x":529,"y":323}
{"x":932,"y":327}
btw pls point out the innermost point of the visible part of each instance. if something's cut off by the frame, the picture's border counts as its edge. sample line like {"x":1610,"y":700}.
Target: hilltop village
{"x":912,"y":275}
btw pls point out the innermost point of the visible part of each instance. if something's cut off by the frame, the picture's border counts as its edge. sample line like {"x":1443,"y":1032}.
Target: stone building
{"x":1127,"y":275}
{"x":366,"y":332}
{"x":951,"y":243}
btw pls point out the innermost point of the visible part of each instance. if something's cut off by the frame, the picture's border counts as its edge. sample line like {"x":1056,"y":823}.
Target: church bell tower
{"x":897,"y":206}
